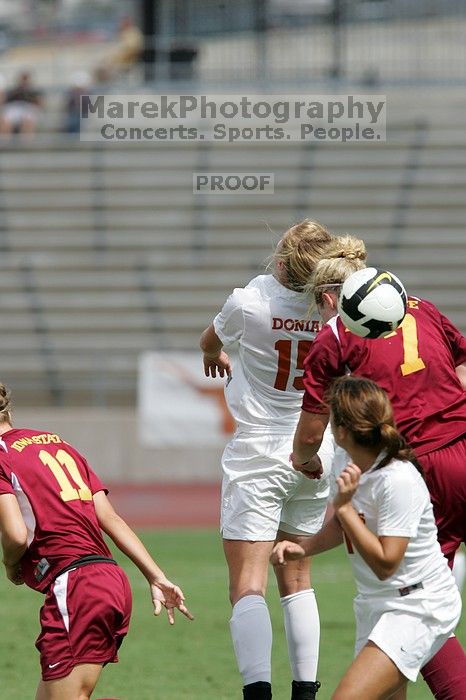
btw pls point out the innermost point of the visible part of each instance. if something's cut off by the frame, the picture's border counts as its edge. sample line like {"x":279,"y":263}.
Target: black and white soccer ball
{"x":372,"y":302}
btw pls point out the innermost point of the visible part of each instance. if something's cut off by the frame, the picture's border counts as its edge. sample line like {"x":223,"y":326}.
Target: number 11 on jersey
{"x":64,"y":468}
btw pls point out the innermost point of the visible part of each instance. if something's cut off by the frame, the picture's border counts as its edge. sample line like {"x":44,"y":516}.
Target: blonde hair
{"x":299,"y":249}
{"x":5,"y":404}
{"x":364,"y":409}
{"x":345,"y":255}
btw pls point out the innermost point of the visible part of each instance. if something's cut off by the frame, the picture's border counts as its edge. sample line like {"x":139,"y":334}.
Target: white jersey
{"x":274,"y":331}
{"x":394,"y":501}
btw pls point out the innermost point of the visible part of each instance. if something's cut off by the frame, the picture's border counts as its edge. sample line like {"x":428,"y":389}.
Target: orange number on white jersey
{"x":283,"y":347}
{"x":57,"y":465}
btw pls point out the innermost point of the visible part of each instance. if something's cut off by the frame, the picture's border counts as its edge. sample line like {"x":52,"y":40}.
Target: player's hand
{"x":220,"y":363}
{"x":347,"y":483}
{"x":15,"y":574}
{"x":166,"y":595}
{"x":312,"y":469}
{"x":286,"y":551}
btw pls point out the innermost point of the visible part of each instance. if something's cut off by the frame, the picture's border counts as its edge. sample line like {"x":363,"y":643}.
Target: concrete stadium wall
{"x":108,"y":438}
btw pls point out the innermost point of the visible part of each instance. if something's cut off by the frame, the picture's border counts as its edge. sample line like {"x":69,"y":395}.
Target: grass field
{"x":191,"y":660}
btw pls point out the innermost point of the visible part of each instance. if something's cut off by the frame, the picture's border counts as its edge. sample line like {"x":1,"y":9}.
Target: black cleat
{"x":304,"y":690}
{"x":257,"y":691}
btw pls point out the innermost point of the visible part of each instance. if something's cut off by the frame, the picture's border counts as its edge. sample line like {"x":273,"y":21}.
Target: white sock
{"x":251,"y":632}
{"x":302,"y":627}
{"x":459,"y":569}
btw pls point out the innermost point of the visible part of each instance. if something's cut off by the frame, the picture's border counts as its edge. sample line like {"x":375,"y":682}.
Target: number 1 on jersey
{"x":411,"y":360}
{"x":57,"y":465}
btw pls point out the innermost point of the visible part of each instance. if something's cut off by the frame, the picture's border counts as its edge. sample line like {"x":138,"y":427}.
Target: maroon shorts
{"x":84,"y":619}
{"x":445,"y":475}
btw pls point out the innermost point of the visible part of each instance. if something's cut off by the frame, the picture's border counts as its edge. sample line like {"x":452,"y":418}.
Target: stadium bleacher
{"x":105,"y":251}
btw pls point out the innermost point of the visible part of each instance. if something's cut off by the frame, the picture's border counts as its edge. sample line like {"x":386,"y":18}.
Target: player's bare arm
{"x":329,"y":537}
{"x":13,"y":536}
{"x":307,"y":440}
{"x":164,"y":593}
{"x":382,"y":554}
{"x":215,"y":358}
{"x":461,"y":372}
{"x":312,"y":469}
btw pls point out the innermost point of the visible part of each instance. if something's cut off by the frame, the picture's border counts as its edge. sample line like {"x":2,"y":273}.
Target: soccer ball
{"x":372,"y":303}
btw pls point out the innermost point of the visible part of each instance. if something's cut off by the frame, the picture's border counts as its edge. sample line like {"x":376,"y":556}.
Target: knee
{"x":237,"y":593}
{"x":247,"y":583}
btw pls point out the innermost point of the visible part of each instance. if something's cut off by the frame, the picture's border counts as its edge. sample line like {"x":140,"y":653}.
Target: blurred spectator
{"x":80,"y":85}
{"x":2,"y":93}
{"x":182,"y":59}
{"x":22,"y":107}
{"x":101,"y":77}
{"x":129,"y":48}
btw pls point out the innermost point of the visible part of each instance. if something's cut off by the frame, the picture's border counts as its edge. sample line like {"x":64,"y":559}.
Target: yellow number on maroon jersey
{"x":411,"y":360}
{"x":57,"y":465}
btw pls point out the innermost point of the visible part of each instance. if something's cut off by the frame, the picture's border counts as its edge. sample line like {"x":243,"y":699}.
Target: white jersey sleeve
{"x":229,"y":323}
{"x":399,"y":504}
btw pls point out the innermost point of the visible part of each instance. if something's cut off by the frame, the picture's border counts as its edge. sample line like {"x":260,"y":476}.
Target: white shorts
{"x":410,"y":629}
{"x":262,"y":493}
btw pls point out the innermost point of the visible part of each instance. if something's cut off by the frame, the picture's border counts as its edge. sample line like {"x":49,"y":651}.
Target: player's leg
{"x":78,"y":685}
{"x":250,"y":625}
{"x":445,"y":474}
{"x":372,"y":676}
{"x":445,"y":673}
{"x":252,"y":499}
{"x":302,"y":624}
{"x":303,"y":515}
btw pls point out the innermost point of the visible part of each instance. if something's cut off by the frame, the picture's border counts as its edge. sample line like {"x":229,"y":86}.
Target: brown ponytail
{"x":364,"y":409}
{"x":395,"y":445}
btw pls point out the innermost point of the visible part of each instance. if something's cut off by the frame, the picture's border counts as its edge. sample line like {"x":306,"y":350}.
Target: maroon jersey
{"x":54,"y":486}
{"x":415,"y":365}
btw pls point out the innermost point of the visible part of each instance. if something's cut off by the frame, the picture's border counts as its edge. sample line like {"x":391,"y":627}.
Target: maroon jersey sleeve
{"x":322,"y":365}
{"x":95,"y":483}
{"x":5,"y":483}
{"x":456,"y":340}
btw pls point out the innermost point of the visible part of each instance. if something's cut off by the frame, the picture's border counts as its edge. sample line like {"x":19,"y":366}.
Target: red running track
{"x":167,"y":505}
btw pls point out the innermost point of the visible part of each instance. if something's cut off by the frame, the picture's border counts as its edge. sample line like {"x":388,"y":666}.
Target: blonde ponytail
{"x":299,"y":250}
{"x":5,"y":404}
{"x":344,"y":256}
